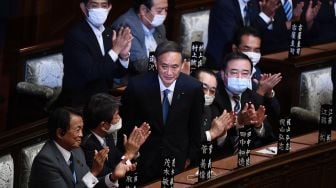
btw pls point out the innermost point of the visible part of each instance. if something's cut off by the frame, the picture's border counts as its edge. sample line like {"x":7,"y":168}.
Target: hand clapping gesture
{"x":249,"y":116}
{"x":266,"y":83}
{"x":121,"y":41}
{"x":137,"y":137}
{"x":220,"y":125}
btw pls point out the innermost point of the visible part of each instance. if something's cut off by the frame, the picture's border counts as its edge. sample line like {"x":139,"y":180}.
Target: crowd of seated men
{"x":165,"y":112}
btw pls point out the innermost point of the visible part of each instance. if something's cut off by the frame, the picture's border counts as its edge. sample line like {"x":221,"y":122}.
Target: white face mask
{"x":254,"y":57}
{"x":97,"y":16}
{"x":238,"y":85}
{"x":208,"y":100}
{"x":115,"y":127}
{"x":158,"y":20}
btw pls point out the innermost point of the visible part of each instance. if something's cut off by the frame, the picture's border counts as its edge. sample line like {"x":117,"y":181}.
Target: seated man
{"x":61,"y":161}
{"x":248,"y":42}
{"x":213,"y":127}
{"x":146,"y":22}
{"x":101,"y":116}
{"x":233,"y":95}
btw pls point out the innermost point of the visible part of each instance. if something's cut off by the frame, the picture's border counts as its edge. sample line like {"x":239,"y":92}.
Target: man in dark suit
{"x":226,"y":16}
{"x":212,"y":127}
{"x":233,"y":95}
{"x":61,"y":161}
{"x":172,"y":103}
{"x":248,"y":42}
{"x":93,"y":56}
{"x":101,"y":117}
{"x":146,"y":22}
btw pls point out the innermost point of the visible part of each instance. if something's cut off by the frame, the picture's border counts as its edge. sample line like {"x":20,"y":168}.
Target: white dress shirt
{"x":171,"y":89}
{"x":114,"y":56}
{"x":150,"y":41}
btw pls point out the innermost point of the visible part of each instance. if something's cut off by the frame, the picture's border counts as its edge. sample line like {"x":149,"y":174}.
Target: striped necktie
{"x":288,"y":9}
{"x":236,"y":107}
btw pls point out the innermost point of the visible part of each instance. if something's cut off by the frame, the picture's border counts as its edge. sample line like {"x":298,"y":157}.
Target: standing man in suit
{"x":93,"y":56}
{"x":226,"y":16}
{"x":61,"y":161}
{"x":233,"y":95}
{"x":146,"y":22}
{"x":101,"y":117}
{"x":172,"y":103}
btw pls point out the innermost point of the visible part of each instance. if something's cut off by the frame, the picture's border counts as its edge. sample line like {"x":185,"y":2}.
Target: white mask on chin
{"x":97,"y":16}
{"x":208,"y":100}
{"x":158,"y":20}
{"x":115,"y":127}
{"x":254,"y":57}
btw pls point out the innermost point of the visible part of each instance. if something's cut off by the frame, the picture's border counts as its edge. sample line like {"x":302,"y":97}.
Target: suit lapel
{"x":107,"y":39}
{"x":177,"y":95}
{"x":92,"y":38}
{"x":154,"y":95}
{"x":62,"y":163}
{"x":238,"y":13}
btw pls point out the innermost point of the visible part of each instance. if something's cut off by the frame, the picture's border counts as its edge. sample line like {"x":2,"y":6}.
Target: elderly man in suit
{"x":233,"y":95}
{"x":172,"y":103}
{"x":146,"y":22}
{"x":93,"y":56}
{"x":61,"y":161}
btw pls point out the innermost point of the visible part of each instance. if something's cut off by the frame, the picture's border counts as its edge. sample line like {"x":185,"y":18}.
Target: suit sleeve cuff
{"x":90,"y":180}
{"x":220,"y":140}
{"x":110,"y":183}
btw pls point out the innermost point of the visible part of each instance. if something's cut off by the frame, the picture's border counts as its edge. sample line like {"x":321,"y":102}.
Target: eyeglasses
{"x":210,"y":90}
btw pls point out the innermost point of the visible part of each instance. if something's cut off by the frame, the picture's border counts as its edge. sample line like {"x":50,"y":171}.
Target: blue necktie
{"x":247,"y":16}
{"x":72,"y":168}
{"x":288,"y":9}
{"x":236,"y":99}
{"x":165,"y":105}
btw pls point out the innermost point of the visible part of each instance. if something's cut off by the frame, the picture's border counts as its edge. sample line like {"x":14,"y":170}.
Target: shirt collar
{"x":163,"y":87}
{"x":97,"y":31}
{"x":147,"y":31}
{"x":66,"y":154}
{"x":231,"y":94}
{"x":99,"y":138}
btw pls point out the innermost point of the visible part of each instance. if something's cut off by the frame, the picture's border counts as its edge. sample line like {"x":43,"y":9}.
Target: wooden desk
{"x":188,"y":177}
{"x":293,"y":148}
{"x":311,"y":138}
{"x":307,"y":165}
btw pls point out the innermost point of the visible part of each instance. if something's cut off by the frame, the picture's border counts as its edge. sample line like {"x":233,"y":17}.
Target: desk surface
{"x":228,"y":166}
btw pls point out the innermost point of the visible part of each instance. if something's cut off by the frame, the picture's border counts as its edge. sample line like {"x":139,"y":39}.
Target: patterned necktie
{"x":236,"y":99}
{"x":288,"y":9}
{"x":236,"y":109}
{"x":72,"y":168}
{"x":165,"y":105}
{"x":247,"y":16}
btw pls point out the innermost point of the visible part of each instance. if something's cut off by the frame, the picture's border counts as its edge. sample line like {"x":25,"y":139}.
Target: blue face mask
{"x":238,"y":85}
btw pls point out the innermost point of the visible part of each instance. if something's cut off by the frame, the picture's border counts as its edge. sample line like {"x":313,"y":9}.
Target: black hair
{"x":86,"y":1}
{"x":138,"y":3}
{"x":100,"y":107}
{"x":235,"y":56}
{"x":204,"y":70}
{"x":167,"y":46}
{"x":60,"y":118}
{"x":248,"y":30}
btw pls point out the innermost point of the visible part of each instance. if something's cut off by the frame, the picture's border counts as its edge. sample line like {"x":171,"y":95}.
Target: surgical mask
{"x":208,"y":99}
{"x":238,"y":85}
{"x":97,"y":16}
{"x":254,"y":57}
{"x":115,"y":127}
{"x":158,"y":20}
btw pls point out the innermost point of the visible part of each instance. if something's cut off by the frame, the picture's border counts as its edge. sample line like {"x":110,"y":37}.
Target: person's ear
{"x":143,"y":9}
{"x":60,"y":133}
{"x":83,"y":8}
{"x":234,"y":48}
{"x":102,"y":126}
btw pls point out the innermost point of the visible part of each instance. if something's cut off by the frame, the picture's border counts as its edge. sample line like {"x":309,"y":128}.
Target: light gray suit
{"x":138,"y":58}
{"x":50,"y":169}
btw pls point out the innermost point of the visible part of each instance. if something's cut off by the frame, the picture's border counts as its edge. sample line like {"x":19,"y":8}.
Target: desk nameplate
{"x":311,"y":138}
{"x":230,"y":163}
